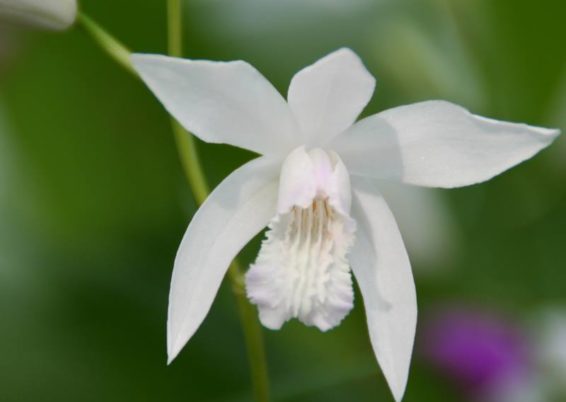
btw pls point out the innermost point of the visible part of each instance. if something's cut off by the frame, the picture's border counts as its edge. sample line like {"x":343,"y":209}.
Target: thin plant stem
{"x":194,"y":173}
{"x":190,"y":161}
{"x":253,"y":335}
{"x":117,"y":51}
{"x":189,"y":155}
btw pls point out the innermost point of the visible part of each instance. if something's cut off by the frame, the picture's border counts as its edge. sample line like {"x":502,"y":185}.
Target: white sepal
{"x":221,"y":102}
{"x":437,"y":144}
{"x":327,"y":96}
{"x":383,"y":272}
{"x":237,"y":209}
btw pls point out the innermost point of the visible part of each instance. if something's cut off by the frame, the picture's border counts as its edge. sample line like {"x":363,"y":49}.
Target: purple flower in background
{"x":483,"y":354}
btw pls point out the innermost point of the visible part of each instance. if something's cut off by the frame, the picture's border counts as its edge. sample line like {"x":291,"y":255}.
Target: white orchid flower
{"x":47,"y":14}
{"x":315,"y":187}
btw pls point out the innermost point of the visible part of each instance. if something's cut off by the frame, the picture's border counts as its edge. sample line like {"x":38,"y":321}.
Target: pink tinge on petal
{"x":306,"y":175}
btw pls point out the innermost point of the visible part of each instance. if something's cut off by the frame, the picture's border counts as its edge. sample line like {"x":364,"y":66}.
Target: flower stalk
{"x":197,"y":181}
{"x":115,"y":49}
{"x":194,"y":173}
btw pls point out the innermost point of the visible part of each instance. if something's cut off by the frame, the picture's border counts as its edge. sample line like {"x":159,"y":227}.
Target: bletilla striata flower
{"x":47,"y":14}
{"x":315,"y":186}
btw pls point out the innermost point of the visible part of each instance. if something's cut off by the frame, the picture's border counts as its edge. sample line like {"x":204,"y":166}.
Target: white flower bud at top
{"x":46,"y":14}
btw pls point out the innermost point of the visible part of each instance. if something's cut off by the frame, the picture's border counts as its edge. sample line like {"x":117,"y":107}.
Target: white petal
{"x":327,"y":97}
{"x":383,"y":272}
{"x":235,"y":211}
{"x":221,"y":102}
{"x":305,"y":175}
{"x":297,"y":185}
{"x":49,"y":14}
{"x":437,"y":144}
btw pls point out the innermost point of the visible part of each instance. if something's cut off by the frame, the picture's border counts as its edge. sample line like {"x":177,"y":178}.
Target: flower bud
{"x":46,"y":14}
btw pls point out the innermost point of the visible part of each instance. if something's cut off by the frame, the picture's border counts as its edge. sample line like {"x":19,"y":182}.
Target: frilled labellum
{"x":302,"y":269}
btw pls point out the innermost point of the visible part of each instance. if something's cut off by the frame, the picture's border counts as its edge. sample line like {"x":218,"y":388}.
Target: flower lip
{"x":302,"y":269}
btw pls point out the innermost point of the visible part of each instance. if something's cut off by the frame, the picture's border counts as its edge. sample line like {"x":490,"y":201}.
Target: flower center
{"x":301,"y":270}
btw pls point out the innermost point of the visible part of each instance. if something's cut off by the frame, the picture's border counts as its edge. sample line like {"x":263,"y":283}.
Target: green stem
{"x":252,"y":333}
{"x":189,"y":156}
{"x":174,"y":28}
{"x":194,"y":173}
{"x":107,"y":42}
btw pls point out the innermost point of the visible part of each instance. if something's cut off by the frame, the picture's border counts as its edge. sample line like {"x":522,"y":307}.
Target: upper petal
{"x":327,"y":97}
{"x":235,"y":211}
{"x":383,"y":272}
{"x":221,"y":102}
{"x":305,"y":175}
{"x":437,"y":144}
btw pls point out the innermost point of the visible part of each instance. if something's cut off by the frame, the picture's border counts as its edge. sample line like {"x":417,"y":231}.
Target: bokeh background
{"x":93,"y":202}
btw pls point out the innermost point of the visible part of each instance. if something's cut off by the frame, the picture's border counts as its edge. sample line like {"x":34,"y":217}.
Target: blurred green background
{"x":93,"y":202}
